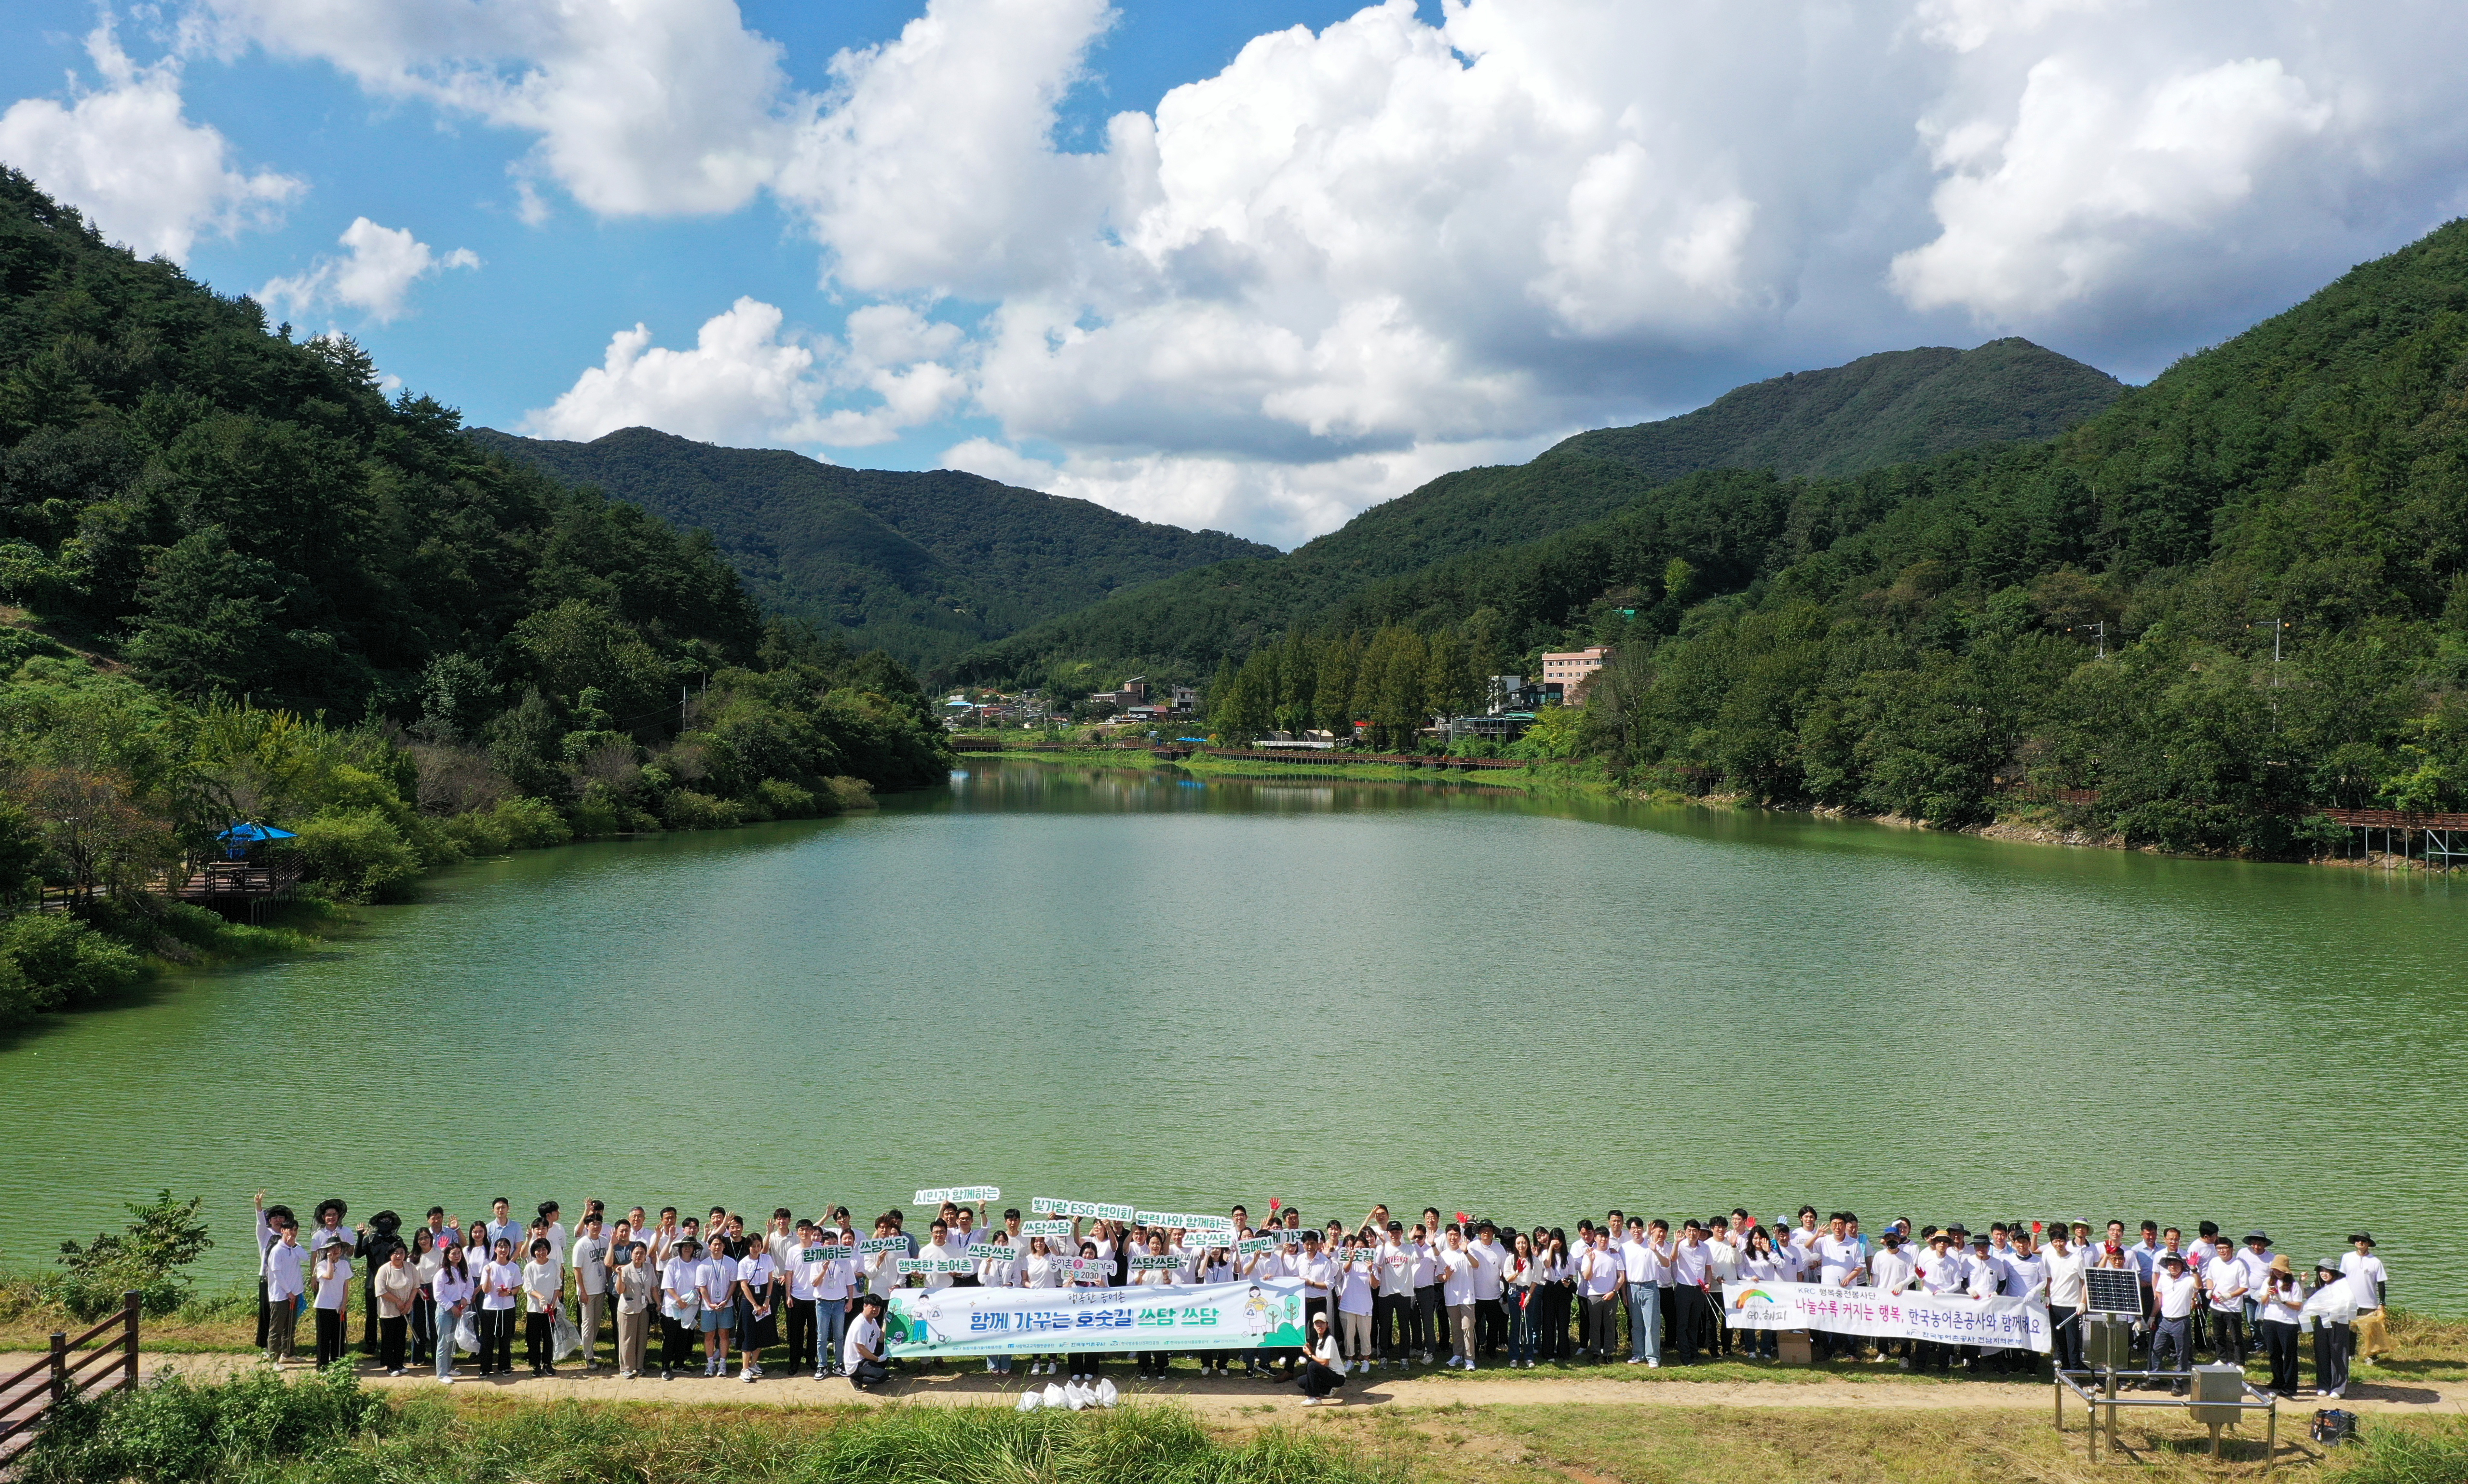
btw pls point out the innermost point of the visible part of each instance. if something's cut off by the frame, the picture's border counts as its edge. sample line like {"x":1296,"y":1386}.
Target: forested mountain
{"x":1877,"y":410}
{"x":1926,"y":639}
{"x":923,"y":564}
{"x":245,"y":585}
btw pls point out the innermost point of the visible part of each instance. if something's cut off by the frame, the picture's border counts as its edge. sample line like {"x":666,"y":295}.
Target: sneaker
{"x":1653,"y":1365}
{"x":447,"y":1380}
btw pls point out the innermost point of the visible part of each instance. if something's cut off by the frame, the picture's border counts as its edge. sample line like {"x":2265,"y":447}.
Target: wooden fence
{"x":71,"y":1370}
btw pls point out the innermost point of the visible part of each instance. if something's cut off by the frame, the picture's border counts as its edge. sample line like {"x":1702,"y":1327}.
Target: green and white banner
{"x":870,"y":1245}
{"x":1947,"y":1318}
{"x":1250,"y":1244}
{"x":1096,"y":1210}
{"x":994,"y":1253}
{"x":931,"y":1265}
{"x":1143,"y":1263}
{"x":1046,"y":1228}
{"x":960,"y":1195}
{"x":1183,"y":1221}
{"x":1017,"y":1321}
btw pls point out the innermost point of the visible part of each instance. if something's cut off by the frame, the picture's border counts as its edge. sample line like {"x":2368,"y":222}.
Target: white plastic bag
{"x":467,"y":1335}
{"x":1077,"y":1397}
{"x":564,"y":1335}
{"x":1107,"y":1395}
{"x":1054,"y":1395}
{"x":1028,"y":1401}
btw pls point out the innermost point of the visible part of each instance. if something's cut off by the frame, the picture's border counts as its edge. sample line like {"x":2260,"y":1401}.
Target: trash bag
{"x":564,"y":1337}
{"x":1053,"y":1395}
{"x":467,"y":1335}
{"x":1107,"y":1395}
{"x":1077,"y":1397}
{"x":1028,"y":1401}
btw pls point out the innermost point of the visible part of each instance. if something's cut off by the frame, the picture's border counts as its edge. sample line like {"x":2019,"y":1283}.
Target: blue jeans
{"x":1645,"y":1322}
{"x":831,"y":1331}
{"x":1521,"y":1321}
{"x":445,"y":1323}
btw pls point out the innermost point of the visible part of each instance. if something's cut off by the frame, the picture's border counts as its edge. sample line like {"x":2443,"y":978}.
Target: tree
{"x":147,"y":1256}
{"x":208,"y":619}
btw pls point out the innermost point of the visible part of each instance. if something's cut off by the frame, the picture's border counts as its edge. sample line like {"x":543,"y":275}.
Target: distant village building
{"x":1507,"y":693}
{"x":1564,"y":671}
{"x":1501,"y":726}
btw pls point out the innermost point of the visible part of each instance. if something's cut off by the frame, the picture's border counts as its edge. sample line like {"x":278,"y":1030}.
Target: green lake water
{"x":1118,"y":986}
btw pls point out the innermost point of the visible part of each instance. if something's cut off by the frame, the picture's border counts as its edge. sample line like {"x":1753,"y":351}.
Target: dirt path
{"x":1236,"y":1400}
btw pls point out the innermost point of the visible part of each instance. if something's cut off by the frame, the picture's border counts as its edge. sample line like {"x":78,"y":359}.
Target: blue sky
{"x":1335,"y":263}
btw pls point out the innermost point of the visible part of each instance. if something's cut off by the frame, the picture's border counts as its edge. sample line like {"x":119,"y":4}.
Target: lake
{"x":1138,"y":987}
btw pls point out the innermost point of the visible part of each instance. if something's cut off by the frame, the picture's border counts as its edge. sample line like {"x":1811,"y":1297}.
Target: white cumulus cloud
{"x":128,"y":155}
{"x":751,"y":379}
{"x":640,"y":108}
{"x":375,"y":275}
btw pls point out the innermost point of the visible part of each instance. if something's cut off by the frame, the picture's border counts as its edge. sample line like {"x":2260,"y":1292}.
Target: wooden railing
{"x":27,"y":1399}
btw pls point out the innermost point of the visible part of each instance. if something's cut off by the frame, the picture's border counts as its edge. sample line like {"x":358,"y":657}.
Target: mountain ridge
{"x":922,"y":563}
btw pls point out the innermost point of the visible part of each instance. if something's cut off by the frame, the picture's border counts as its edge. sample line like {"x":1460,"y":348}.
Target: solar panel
{"x":2113,"y":1290}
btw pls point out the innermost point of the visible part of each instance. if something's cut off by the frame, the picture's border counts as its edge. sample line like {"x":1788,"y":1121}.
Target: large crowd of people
{"x":1387,"y":1291}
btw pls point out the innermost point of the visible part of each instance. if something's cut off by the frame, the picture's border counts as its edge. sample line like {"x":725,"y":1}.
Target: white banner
{"x":1183,"y":1221}
{"x":1049,"y":1205}
{"x":958,"y":1195}
{"x":1014,"y":1321}
{"x":1945,"y":1318}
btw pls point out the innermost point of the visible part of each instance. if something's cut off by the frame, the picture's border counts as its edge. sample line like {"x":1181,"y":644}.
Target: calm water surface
{"x":1130,"y":987}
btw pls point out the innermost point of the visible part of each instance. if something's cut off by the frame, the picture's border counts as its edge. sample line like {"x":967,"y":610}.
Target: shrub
{"x":850,"y":793}
{"x":63,"y":962}
{"x":358,"y":854}
{"x":147,"y":1256}
{"x":785,"y":800}
{"x":685,"y":810}
{"x":515,"y":824}
{"x":177,"y":1431}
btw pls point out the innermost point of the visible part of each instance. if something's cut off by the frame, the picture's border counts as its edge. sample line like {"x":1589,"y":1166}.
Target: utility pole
{"x":682,"y":692}
{"x":2276,"y":625}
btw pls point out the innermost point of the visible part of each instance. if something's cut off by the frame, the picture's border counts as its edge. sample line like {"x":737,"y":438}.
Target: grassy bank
{"x":327,"y":1431}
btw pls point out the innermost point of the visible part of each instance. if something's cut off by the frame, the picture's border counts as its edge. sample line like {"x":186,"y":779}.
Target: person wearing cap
{"x":2066,"y":1263}
{"x":2172,"y":1336}
{"x":861,"y":1353}
{"x":2282,"y":1300}
{"x":2332,"y":1313}
{"x":1940,"y":1271}
{"x":1983,"y":1277}
{"x":1456,"y":1268}
{"x":2371,"y":1285}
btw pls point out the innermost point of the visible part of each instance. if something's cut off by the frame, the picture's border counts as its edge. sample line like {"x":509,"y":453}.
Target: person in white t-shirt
{"x":861,"y":1353}
{"x":716,"y":1275}
{"x":755,"y":1317}
{"x":1324,"y":1367}
{"x":2174,"y":1294}
{"x":1455,"y":1270}
{"x":2066,"y":1265}
{"x":1644,"y":1264}
{"x":681,"y":1306}
{"x":333,"y":1298}
{"x":1356,"y":1268}
{"x":543,"y":1291}
{"x":591,"y":1286}
{"x":501,"y":1297}
{"x":2370,"y":1284}
{"x":2225,"y":1283}
{"x":1599,"y":1284}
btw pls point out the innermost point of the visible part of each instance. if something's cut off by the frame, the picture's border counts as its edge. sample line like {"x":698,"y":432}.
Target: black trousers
{"x":1555,"y":1323}
{"x":2279,"y":1341}
{"x":1311,"y":1307}
{"x":424,"y":1324}
{"x":678,"y":1343}
{"x":1691,"y":1321}
{"x":497,"y":1340}
{"x":329,"y":1336}
{"x":1318,"y":1381}
{"x":390,"y":1342}
{"x":801,"y":1336}
{"x":264,"y":1313}
{"x":1390,"y":1323}
{"x":1430,"y":1320}
{"x":2332,"y":1346}
{"x":2227,"y":1338}
{"x":2065,"y":1340}
{"x":539,"y":1348}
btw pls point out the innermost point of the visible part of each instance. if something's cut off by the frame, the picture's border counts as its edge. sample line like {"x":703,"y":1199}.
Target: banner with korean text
{"x":1042,"y":1321}
{"x":1944,"y":1318}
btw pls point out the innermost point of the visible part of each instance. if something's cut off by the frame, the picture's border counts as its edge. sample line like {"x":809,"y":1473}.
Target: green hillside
{"x":922,"y":564}
{"x":1924,"y":639}
{"x":1877,"y":410}
{"x":244,"y":584}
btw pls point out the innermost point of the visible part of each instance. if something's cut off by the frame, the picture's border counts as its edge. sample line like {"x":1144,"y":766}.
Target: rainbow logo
{"x":1759,"y":1294}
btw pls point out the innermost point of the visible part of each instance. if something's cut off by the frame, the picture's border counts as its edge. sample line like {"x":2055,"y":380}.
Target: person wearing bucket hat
{"x":2283,"y":1314}
{"x":2331,"y":1312}
{"x":2172,"y":1336}
{"x":2371,"y":1284}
